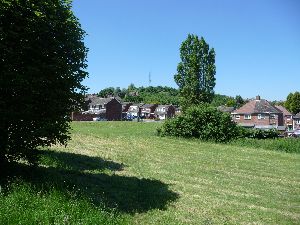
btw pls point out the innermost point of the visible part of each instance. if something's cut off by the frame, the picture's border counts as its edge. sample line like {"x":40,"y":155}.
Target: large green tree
{"x":292,"y":102}
{"x":196,"y":72}
{"x":42,"y":65}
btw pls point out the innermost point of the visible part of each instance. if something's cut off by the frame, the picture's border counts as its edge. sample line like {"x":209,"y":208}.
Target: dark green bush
{"x":203,"y":122}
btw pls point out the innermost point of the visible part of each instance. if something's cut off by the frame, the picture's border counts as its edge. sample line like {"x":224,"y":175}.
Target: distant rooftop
{"x":257,"y":105}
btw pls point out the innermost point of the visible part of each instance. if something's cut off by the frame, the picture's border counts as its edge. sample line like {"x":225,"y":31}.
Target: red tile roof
{"x":283,"y":110}
{"x":257,"y":106}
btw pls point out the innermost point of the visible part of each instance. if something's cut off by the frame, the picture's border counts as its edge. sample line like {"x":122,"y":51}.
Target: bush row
{"x":207,"y":123}
{"x":257,"y":133}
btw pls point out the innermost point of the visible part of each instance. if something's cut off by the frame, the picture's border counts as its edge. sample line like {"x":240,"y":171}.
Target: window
{"x":272,"y":116}
{"x":261,"y":116}
{"x":237,"y":117}
{"x":247,"y":117}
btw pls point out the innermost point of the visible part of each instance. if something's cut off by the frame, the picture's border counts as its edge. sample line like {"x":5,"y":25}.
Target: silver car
{"x":296,"y":133}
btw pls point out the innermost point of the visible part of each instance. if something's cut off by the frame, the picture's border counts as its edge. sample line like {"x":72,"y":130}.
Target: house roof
{"x":163,"y":106}
{"x":148,"y":105}
{"x":297,"y":116}
{"x":225,"y":108}
{"x":95,"y":100}
{"x":126,"y":103}
{"x":283,"y":110}
{"x":137,"y":104}
{"x":133,"y":108}
{"x":256,"y":106}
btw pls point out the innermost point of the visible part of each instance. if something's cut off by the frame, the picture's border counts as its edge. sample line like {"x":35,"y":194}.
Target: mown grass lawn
{"x":121,"y":172}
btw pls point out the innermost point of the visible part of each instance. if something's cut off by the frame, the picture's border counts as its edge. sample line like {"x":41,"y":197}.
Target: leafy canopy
{"x":292,"y":102}
{"x":196,"y":72}
{"x":150,"y":95}
{"x":42,"y":65}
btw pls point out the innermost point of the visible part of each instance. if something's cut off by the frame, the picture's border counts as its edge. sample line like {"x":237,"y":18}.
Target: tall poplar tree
{"x":196,"y":72}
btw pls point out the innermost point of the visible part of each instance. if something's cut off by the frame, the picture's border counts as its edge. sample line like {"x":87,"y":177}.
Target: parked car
{"x":99,"y":119}
{"x":296,"y":133}
{"x":293,"y":133}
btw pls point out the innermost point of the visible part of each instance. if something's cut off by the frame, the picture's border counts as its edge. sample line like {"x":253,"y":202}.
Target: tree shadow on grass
{"x":66,"y":172}
{"x":77,"y":162}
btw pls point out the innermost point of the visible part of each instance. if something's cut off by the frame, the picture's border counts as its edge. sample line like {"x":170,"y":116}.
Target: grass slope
{"x":123,"y":173}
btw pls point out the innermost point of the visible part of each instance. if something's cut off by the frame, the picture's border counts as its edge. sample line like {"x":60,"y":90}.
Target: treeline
{"x":224,"y":100}
{"x":163,"y":95}
{"x":150,"y":95}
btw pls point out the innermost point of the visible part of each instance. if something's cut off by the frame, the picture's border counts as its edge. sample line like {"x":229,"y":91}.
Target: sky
{"x":257,"y":43}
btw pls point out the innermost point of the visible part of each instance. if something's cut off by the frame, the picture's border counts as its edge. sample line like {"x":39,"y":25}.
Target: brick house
{"x":147,"y":111}
{"x":164,"y":111}
{"x":287,"y":117}
{"x":103,"y":108}
{"x":296,"y":121}
{"x":258,"y":113}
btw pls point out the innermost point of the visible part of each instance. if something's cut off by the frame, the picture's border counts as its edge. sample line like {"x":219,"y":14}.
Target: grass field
{"x":122,"y":173}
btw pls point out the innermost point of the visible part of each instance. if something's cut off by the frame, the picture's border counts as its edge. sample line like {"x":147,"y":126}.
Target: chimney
{"x":257,"y":97}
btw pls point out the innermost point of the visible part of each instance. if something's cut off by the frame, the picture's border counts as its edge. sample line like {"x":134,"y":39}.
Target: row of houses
{"x":259,"y":113}
{"x":149,"y":111}
{"x":113,"y":108}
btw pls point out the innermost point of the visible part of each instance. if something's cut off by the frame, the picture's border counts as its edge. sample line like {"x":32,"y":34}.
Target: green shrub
{"x":203,"y":122}
{"x":257,"y":133}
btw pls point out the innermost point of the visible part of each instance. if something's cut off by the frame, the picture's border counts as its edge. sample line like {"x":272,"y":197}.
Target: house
{"x":296,"y":121}
{"x":102,"y":108}
{"x":258,"y":113}
{"x":287,"y":117}
{"x":133,"y":110}
{"x":125,"y":108}
{"x":147,"y":111}
{"x":164,"y":111}
{"x":177,"y":110}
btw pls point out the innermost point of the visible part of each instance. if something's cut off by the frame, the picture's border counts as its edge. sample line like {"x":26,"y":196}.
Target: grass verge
{"x":289,"y":145}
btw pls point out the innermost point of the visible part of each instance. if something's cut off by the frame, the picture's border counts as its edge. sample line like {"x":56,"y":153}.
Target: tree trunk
{"x":3,"y":142}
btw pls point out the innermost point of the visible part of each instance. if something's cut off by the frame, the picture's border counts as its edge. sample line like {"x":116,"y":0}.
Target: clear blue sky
{"x":257,"y":42}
